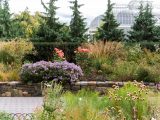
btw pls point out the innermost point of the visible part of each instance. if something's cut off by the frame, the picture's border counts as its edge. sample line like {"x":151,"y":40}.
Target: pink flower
{"x":59,"y":53}
{"x":83,"y":50}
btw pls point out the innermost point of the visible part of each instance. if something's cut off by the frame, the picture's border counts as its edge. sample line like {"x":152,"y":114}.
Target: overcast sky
{"x":91,"y":8}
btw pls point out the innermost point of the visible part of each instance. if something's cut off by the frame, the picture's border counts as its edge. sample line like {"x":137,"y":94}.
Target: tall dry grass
{"x":108,"y":49}
{"x":11,"y":55}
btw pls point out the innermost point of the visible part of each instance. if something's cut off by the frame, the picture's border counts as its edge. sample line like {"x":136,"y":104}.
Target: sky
{"x":90,"y":10}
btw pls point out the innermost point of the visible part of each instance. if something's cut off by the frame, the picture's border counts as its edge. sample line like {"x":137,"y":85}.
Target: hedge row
{"x":44,"y":51}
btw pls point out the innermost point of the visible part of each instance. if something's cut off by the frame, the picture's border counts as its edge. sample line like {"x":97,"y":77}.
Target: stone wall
{"x":18,"y":89}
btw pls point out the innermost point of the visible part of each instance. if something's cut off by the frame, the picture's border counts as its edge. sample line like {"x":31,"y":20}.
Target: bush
{"x":148,"y":74}
{"x":124,"y":71}
{"x":5,"y":116}
{"x":47,"y":71}
{"x":45,"y":50}
{"x":52,"y":108}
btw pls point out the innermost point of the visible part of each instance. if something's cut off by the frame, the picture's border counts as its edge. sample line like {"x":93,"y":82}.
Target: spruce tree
{"x":77,"y":25}
{"x":144,"y":26}
{"x":109,"y":30}
{"x":5,"y":21}
{"x":49,"y":29}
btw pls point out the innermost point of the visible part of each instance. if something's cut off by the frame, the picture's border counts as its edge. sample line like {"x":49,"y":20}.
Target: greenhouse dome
{"x":125,"y":15}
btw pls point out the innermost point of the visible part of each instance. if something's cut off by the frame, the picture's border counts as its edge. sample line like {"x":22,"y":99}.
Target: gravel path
{"x":20,"y":104}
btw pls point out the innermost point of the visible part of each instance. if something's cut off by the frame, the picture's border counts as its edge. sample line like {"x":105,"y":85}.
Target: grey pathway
{"x":20,"y":104}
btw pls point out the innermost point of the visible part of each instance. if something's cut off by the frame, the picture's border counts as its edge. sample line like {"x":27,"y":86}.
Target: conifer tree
{"x":50,"y":27}
{"x":77,"y":25}
{"x":5,"y":21}
{"x":144,"y":26}
{"x":109,"y":30}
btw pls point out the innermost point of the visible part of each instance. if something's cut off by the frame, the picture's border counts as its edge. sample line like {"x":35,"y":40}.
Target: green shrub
{"x":148,"y":74}
{"x":124,"y":71}
{"x":6,"y":57}
{"x":134,"y":53}
{"x":45,"y":50}
{"x":5,"y":116}
{"x":52,"y":108}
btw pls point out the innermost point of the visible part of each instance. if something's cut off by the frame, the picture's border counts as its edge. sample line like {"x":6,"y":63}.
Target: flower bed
{"x":47,"y":71}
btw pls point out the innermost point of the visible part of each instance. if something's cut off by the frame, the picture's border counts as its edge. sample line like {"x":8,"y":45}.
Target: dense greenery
{"x":46,"y":26}
{"x":144,"y":26}
{"x":5,"y":20}
{"x":116,"y":61}
{"x":50,"y":28}
{"x":129,"y":102}
{"x":109,"y":29}
{"x":77,"y":25}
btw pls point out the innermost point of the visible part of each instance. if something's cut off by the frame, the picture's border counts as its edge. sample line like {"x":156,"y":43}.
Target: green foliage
{"x":144,"y":26}
{"x":26,"y":25}
{"x":5,"y":19}
{"x":11,"y":58}
{"x":119,"y":62}
{"x":52,"y":108}
{"x":5,"y":116}
{"x":134,"y":53}
{"x":44,"y":50}
{"x":109,"y":30}
{"x":77,"y":25}
{"x":84,"y":61}
{"x":49,"y":29}
{"x":129,"y":102}
{"x":124,"y":71}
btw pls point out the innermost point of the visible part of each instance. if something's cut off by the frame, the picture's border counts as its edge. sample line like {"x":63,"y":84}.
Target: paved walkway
{"x":20,"y":104}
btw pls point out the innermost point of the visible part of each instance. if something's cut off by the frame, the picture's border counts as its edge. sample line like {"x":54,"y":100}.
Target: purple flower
{"x":43,"y":70}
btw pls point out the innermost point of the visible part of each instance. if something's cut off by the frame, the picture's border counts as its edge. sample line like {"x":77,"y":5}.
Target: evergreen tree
{"x":5,"y":21}
{"x":49,"y":29}
{"x":144,"y":26}
{"x":77,"y":25}
{"x":109,"y":30}
{"x":1,"y":19}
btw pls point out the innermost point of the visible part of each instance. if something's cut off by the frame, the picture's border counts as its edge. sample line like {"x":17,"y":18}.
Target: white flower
{"x":153,"y":118}
{"x":80,"y":99}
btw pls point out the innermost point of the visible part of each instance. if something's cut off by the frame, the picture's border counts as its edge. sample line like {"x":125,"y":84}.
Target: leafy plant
{"x":52,"y":108}
{"x":5,"y":116}
{"x":61,"y":72}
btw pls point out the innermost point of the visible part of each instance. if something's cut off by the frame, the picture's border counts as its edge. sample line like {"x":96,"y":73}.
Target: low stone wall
{"x":18,"y":89}
{"x":102,"y":86}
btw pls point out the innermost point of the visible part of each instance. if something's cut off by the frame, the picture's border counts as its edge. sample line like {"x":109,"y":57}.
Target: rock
{"x":3,"y":95}
{"x":8,"y":94}
{"x":20,"y":93}
{"x":14,"y":83}
{"x":158,"y":86}
{"x":25,"y":93}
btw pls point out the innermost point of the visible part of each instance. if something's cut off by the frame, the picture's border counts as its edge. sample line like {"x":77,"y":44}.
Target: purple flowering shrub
{"x":47,"y":71}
